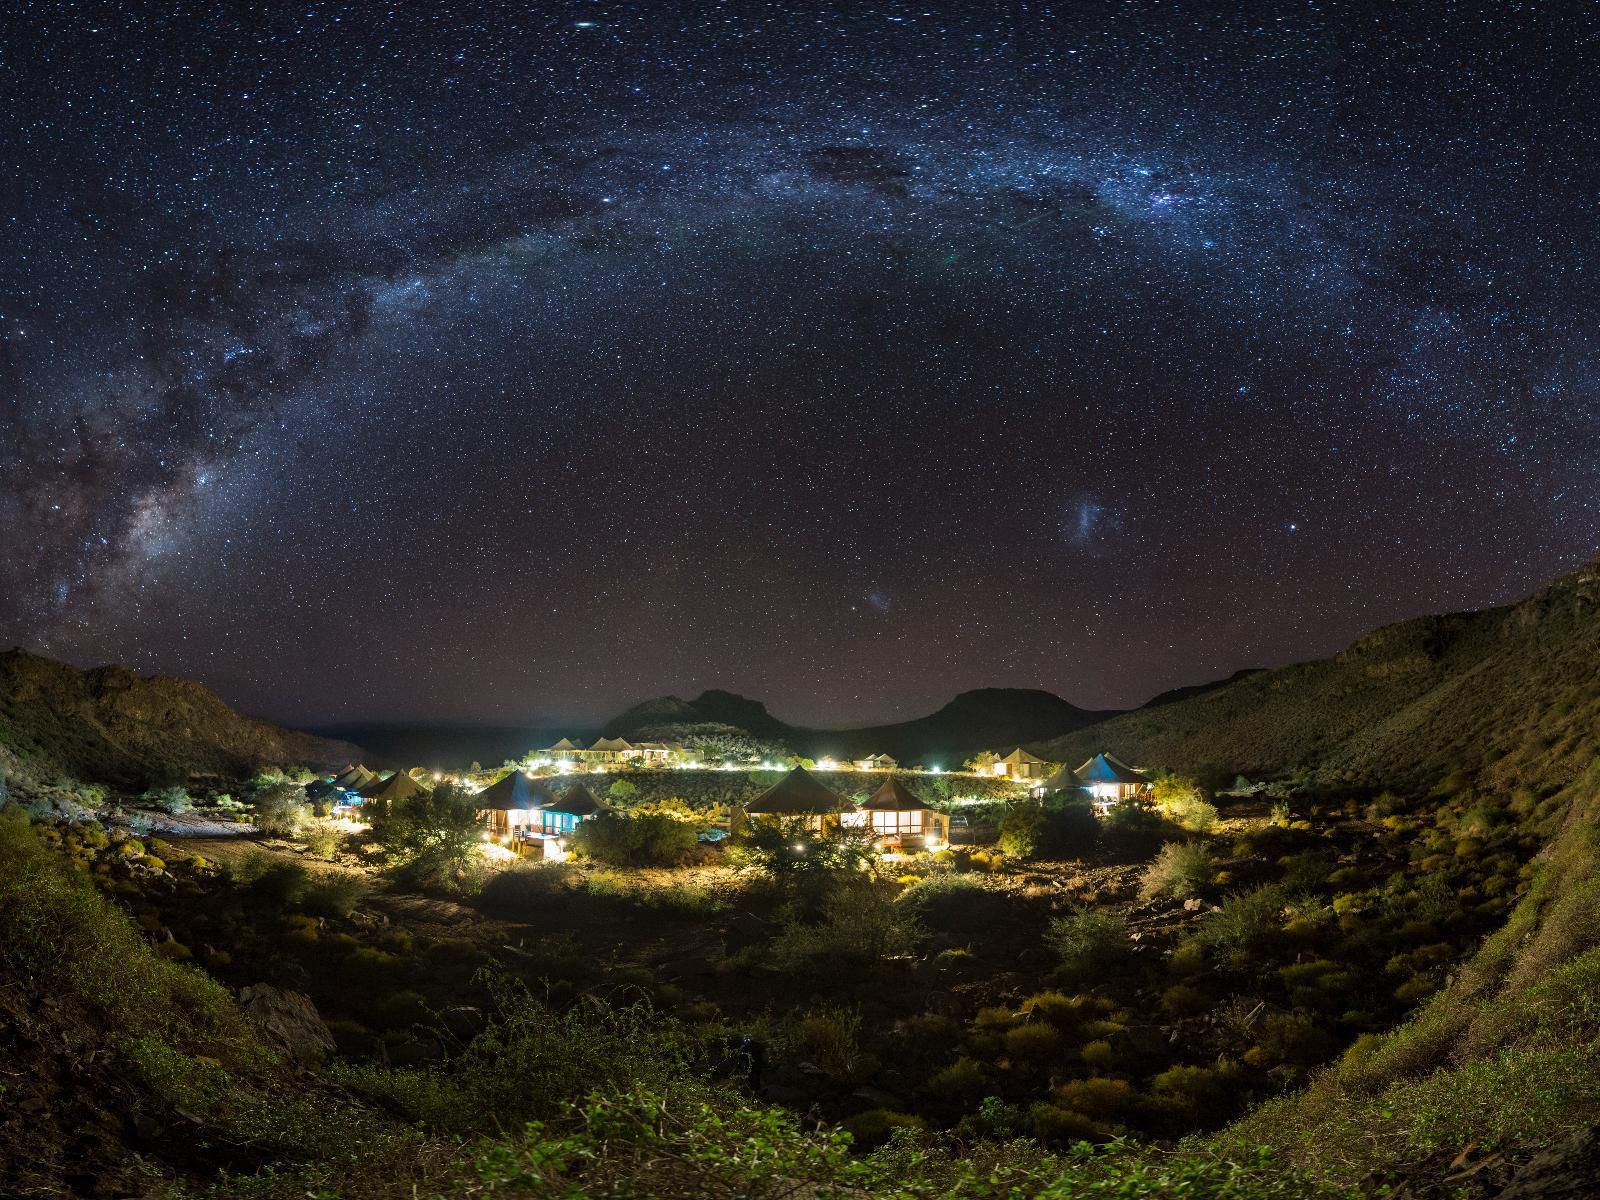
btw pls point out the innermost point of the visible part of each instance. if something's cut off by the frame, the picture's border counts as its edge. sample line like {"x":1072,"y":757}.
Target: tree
{"x":433,"y":835}
{"x":982,"y":763}
{"x":280,"y":809}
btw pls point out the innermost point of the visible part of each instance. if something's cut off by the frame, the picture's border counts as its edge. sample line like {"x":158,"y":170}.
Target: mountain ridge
{"x":1405,"y":702}
{"x":977,"y":719}
{"x":110,"y":724}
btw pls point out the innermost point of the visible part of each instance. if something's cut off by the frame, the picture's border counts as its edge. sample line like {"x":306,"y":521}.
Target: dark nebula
{"x":466,"y":362}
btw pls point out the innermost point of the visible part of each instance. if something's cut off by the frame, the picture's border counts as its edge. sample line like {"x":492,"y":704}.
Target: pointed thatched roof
{"x":895,"y":796}
{"x":797,"y":794}
{"x":398,"y":786}
{"x":1107,"y":768}
{"x":514,"y":790}
{"x":1064,"y":780}
{"x":576,"y":801}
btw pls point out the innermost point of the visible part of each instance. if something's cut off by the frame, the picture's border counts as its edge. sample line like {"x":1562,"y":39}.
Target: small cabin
{"x":900,"y":820}
{"x":798,"y":796}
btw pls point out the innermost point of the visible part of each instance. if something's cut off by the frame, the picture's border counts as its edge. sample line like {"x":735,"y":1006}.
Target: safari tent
{"x":798,"y":795}
{"x":509,"y":807}
{"x":1108,"y":778}
{"x":900,"y":820}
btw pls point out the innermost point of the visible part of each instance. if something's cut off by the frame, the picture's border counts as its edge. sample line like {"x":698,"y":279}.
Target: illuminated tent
{"x":509,"y":805}
{"x":353,"y":779}
{"x":561,"y":816}
{"x":899,"y":819}
{"x":398,"y":786}
{"x":1019,"y":764}
{"x":1109,"y":778}
{"x":799,"y":794}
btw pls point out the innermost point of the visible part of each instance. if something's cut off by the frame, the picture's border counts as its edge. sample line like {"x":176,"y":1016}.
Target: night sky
{"x":443,"y":362}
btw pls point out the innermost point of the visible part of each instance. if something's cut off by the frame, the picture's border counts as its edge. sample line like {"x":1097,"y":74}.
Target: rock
{"x":288,"y":1021}
{"x":1566,"y":1171}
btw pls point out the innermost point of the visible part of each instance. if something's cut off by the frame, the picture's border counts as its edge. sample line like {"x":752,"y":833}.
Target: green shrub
{"x":857,"y":926}
{"x":831,"y":1039}
{"x":1247,"y":923}
{"x":1185,"y":803}
{"x":1181,"y":871}
{"x":635,"y":839}
{"x":335,"y":895}
{"x":1089,"y":942}
{"x":173,"y":800}
{"x":272,"y":879}
{"x":280,"y":809}
{"x":1033,"y":1043}
{"x":962,"y":1079}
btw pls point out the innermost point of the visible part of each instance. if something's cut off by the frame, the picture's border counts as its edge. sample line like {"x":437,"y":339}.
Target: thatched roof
{"x":398,"y":786}
{"x":1107,"y":768}
{"x":514,"y":790}
{"x":895,"y":796}
{"x":577,"y":801}
{"x":798,"y":793}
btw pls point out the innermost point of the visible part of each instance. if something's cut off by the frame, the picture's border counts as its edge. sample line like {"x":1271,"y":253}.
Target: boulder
{"x":288,"y":1021}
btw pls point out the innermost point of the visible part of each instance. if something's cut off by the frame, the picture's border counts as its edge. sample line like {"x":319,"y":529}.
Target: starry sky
{"x":515,"y":363}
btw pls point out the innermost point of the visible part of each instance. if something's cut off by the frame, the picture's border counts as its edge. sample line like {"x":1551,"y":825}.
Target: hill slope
{"x":1406,"y":703}
{"x":983,"y":719}
{"x":110,"y":725}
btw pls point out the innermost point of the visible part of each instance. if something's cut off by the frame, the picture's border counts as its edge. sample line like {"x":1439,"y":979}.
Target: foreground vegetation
{"x":973,"y":1023}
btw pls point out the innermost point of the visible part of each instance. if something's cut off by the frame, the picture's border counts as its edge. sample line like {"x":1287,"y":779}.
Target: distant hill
{"x":984,"y":719}
{"x":1515,"y":690}
{"x":110,"y":725}
{"x":445,"y":747}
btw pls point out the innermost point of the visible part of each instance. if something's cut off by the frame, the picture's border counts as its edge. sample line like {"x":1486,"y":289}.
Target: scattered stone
{"x":289,"y":1021}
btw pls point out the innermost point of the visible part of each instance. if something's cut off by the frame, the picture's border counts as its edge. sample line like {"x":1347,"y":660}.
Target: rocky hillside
{"x":1513,"y":691}
{"x":110,"y":725}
